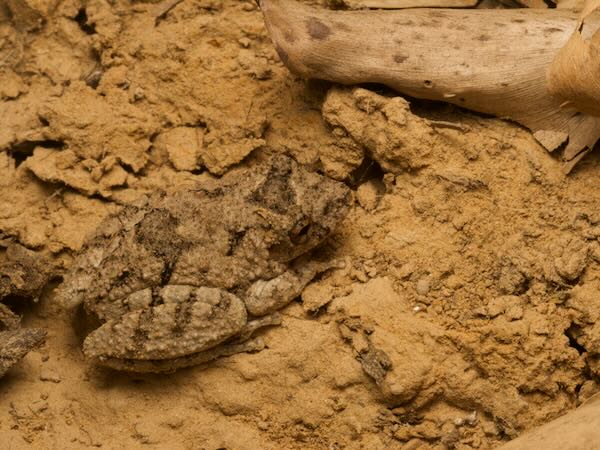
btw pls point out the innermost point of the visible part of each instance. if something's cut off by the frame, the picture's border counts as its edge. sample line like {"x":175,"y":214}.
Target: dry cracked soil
{"x":466,"y":312}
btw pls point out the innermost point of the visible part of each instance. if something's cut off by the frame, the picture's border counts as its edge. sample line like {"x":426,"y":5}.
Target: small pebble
{"x":367,"y":232}
{"x":499,"y":305}
{"x":38,"y":406}
{"x":50,"y":375}
{"x":138,"y":94}
{"x":514,"y":313}
{"x":244,"y":42}
{"x":472,"y":418}
{"x":368,"y":194}
{"x":454,"y":282}
{"x":423,"y":286}
{"x":570,"y":267}
{"x":405,"y":271}
{"x":480,"y":311}
{"x":174,"y":423}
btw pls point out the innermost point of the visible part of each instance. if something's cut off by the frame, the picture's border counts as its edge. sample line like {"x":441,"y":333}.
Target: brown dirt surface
{"x":467,"y":311}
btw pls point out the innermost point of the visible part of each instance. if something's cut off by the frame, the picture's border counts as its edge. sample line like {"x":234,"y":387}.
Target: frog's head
{"x":301,"y":207}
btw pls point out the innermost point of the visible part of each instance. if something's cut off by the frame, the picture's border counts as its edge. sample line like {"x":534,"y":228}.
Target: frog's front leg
{"x":170,"y":323}
{"x":266,"y":296}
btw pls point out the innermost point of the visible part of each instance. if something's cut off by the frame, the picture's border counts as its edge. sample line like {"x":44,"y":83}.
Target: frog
{"x":184,"y":276}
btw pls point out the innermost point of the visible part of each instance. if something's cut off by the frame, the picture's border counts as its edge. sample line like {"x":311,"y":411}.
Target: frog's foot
{"x":187,"y":321}
{"x":257,"y":324}
{"x":265,"y":296}
{"x":170,"y":365}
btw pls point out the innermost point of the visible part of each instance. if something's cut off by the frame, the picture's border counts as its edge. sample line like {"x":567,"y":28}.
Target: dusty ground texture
{"x":466,"y":312}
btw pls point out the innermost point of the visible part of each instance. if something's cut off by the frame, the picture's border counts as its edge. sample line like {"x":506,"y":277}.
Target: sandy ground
{"x":465,"y":314}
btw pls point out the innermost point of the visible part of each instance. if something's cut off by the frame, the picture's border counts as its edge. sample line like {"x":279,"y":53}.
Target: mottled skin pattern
{"x":184,"y":277}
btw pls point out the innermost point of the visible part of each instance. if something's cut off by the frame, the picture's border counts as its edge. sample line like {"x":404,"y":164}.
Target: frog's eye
{"x":299,"y":232}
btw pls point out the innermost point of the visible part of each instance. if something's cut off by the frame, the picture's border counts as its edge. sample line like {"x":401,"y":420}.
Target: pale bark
{"x":401,"y":4}
{"x":577,"y":430}
{"x":491,"y":61}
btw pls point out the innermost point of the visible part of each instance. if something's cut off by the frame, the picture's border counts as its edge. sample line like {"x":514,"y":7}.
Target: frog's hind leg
{"x":186,"y":320}
{"x":242,"y":343}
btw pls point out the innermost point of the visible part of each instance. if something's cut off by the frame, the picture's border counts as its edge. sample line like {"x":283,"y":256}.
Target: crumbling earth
{"x":466,"y":310}
{"x":22,"y":277}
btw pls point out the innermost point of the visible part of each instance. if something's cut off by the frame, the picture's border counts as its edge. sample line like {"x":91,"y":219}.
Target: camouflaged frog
{"x":184,"y":277}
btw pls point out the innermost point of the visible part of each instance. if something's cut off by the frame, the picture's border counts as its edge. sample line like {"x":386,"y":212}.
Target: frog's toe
{"x":203,"y":319}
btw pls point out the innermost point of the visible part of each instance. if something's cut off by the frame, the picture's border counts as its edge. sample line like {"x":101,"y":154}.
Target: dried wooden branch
{"x":491,"y":61}
{"x":575,"y":430}
{"x":401,"y":4}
